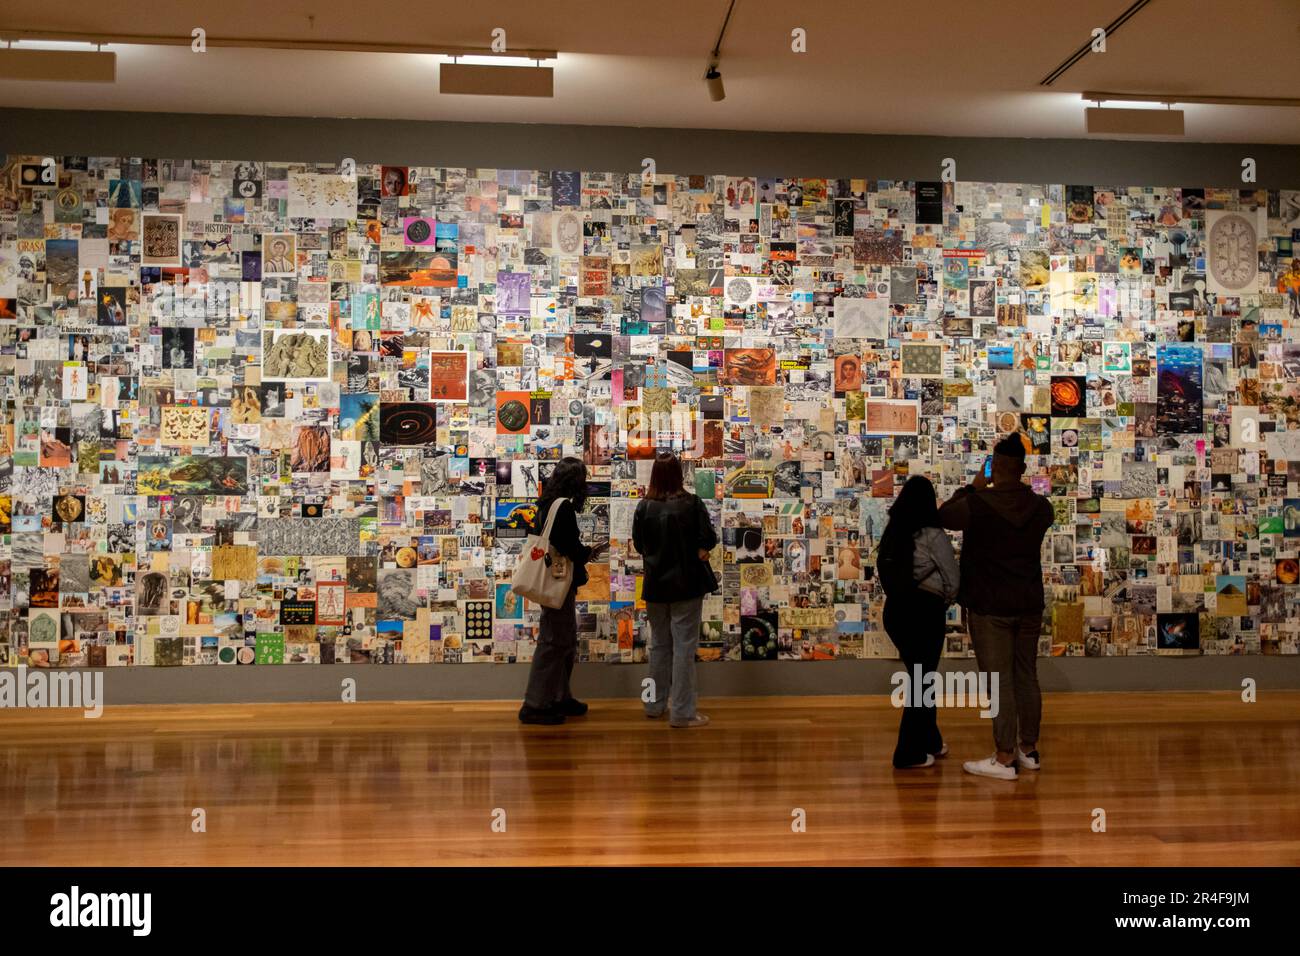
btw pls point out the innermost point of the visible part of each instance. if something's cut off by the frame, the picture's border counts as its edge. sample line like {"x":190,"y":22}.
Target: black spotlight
{"x":714,"y":79}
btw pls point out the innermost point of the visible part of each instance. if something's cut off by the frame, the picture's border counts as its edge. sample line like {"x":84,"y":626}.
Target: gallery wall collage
{"x":268,"y":412}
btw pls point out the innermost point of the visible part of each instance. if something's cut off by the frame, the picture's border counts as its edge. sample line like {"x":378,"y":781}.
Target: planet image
{"x":407,"y":423}
{"x":513,"y":415}
{"x":1065,"y":394}
{"x":1288,"y":571}
{"x":406,"y":558}
{"x":444,"y":273}
{"x":417,"y":231}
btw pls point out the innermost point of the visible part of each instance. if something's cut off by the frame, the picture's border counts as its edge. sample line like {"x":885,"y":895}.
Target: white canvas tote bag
{"x":543,"y":574}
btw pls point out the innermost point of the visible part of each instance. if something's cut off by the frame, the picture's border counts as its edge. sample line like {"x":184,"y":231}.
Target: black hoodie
{"x":1001,"y":549}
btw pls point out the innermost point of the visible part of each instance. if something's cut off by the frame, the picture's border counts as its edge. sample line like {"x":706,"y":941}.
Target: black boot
{"x":540,"y":715}
{"x":572,"y":708}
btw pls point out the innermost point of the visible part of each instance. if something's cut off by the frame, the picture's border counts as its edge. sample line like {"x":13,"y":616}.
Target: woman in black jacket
{"x":548,"y":699}
{"x":672,"y":531}
{"x":920,"y":576}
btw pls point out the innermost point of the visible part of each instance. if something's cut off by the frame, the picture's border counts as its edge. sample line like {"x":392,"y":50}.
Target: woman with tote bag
{"x":548,"y":699}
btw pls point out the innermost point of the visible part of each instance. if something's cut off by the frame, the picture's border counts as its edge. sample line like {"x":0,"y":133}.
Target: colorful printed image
{"x":512,"y":412}
{"x":1069,"y":396}
{"x":848,"y":373}
{"x":259,"y":411}
{"x":749,"y":367}
{"x":885,"y":417}
{"x":448,"y":376}
{"x":192,"y":475}
{"x":1178,"y":390}
{"x":922,"y":359}
{"x":1117,"y":357}
{"x":1178,"y":631}
{"x":509,"y":606}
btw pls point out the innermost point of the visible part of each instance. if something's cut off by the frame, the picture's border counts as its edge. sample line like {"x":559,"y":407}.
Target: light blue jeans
{"x":674,"y":637}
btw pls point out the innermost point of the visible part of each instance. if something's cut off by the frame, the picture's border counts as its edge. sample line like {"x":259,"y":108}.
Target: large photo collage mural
{"x":267,"y":412}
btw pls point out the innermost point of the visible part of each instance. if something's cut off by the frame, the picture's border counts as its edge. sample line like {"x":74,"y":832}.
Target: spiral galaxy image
{"x":408,"y":423}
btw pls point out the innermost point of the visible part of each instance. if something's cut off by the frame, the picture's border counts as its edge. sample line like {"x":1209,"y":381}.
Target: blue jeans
{"x":674,"y":637}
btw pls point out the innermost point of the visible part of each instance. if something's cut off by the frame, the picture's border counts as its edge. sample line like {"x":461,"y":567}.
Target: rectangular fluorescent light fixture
{"x":479,"y":80}
{"x":82,"y":45}
{"x":484,"y":59}
{"x":67,"y":66}
{"x":1126,"y":122}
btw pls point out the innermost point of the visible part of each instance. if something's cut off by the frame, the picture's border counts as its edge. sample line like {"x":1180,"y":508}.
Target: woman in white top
{"x":920,"y":576}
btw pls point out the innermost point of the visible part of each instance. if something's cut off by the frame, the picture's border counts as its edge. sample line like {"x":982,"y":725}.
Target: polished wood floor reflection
{"x":1184,"y":779}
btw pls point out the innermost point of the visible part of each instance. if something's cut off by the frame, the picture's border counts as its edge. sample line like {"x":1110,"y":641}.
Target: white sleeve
{"x":946,"y":561}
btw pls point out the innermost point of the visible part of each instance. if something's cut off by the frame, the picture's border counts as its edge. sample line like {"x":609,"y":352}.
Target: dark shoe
{"x":927,"y":762}
{"x":540,"y":715}
{"x":572,"y":708}
{"x":699,"y":720}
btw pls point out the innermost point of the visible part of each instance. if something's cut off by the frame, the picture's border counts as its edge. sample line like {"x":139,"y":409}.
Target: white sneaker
{"x":928,"y":762}
{"x":699,"y":720}
{"x":1028,"y":761}
{"x":943,"y":751}
{"x":990,"y":767}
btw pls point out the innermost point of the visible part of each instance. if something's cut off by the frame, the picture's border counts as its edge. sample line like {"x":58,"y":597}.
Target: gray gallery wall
{"x":678,"y":151}
{"x":373,"y":682}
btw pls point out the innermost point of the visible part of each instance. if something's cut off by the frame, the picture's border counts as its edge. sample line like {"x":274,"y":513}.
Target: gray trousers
{"x":674,"y":637}
{"x":557,"y":649}
{"x":1006,"y":648}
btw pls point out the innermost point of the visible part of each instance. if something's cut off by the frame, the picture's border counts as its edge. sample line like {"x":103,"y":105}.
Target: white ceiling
{"x":943,"y":67}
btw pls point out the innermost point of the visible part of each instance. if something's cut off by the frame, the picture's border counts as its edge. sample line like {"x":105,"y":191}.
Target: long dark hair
{"x":665,"y":478}
{"x":568,"y":480}
{"x":916,"y":507}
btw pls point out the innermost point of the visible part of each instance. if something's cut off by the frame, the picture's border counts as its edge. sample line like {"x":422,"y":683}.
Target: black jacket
{"x":564,"y":536}
{"x":1001,"y":547}
{"x":669,"y":534}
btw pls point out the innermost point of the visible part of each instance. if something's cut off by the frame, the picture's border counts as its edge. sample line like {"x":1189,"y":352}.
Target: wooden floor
{"x":1184,"y":779}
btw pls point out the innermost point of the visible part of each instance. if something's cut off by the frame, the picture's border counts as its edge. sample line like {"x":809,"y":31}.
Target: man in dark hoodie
{"x":1002,"y":523}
